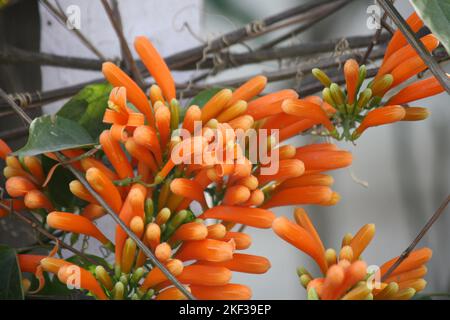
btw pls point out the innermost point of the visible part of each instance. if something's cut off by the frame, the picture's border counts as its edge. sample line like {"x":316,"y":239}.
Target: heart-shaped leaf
{"x":10,"y":275}
{"x":436,"y":16}
{"x":87,"y":108}
{"x":53,"y":133}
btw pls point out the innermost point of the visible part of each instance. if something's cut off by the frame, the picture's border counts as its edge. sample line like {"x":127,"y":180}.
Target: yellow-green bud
{"x":364,"y":98}
{"x":118,"y":291}
{"x":128,"y":254}
{"x":103,"y":277}
{"x":321,"y":76}
{"x":174,"y":114}
{"x":337,"y":94}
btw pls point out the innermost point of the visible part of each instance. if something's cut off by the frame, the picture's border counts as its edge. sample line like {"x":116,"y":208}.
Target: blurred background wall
{"x":406,"y":165}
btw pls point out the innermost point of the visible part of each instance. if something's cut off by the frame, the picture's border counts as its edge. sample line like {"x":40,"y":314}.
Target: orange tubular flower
{"x":299,"y":195}
{"x":407,"y":69}
{"x":156,"y":66}
{"x":398,"y":39}
{"x":205,"y":275}
{"x":215,"y":105}
{"x":418,"y":90}
{"x":269,"y":104}
{"x":162,"y":117}
{"x":88,"y":163}
{"x":207,"y":249}
{"x":415,"y":114}
{"x":346,"y":277}
{"x":172,"y":294}
{"x":351,"y":73}
{"x":236,"y":195}
{"x":288,"y":168}
{"x":229,"y":291}
{"x":118,"y":78}
{"x":104,"y":187}
{"x":317,"y":179}
{"x":87,"y":280}
{"x":309,"y":110}
{"x":324,"y":160}
{"x":405,"y":53}
{"x":34,"y":166}
{"x":244,"y":263}
{"x":241,"y":240}
{"x":193,"y":114}
{"x":381,"y":116}
{"x":254,"y":217}
{"x":4,"y":149}
{"x":188,"y":189}
{"x":248,"y":90}
{"x":302,"y":239}
{"x":191,"y":231}
{"x":36,"y":199}
{"x":141,"y":153}
{"x":116,"y":155}
{"x":19,"y":186}
{"x":29,"y":262}
{"x":146,"y":137}
{"x":77,"y":224}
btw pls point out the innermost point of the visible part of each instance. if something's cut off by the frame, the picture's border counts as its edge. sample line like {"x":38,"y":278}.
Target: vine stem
{"x":37,"y":227}
{"x":431,"y":63}
{"x":64,"y":160}
{"x":419,"y":237}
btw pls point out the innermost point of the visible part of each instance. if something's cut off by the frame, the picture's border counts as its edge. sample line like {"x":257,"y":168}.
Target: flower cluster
{"x":345,"y":276}
{"x":357,"y":109}
{"x":181,"y":184}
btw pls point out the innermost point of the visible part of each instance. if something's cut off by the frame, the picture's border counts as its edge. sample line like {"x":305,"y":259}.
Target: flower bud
{"x":129,"y":252}
{"x":415,"y":114}
{"x":321,"y":76}
{"x":174,"y":114}
{"x":118,"y":291}
{"x":103,"y":277}
{"x":163,"y":216}
{"x":381,"y":85}
{"x":337,"y":94}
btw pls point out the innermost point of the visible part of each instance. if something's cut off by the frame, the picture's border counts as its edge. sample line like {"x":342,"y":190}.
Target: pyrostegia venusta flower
{"x":357,"y":106}
{"x":345,"y":276}
{"x":77,"y":224}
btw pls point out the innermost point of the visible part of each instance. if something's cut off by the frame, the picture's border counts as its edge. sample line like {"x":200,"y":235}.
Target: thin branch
{"x":431,"y":63}
{"x":375,"y":40}
{"x":10,"y":54}
{"x":419,"y":237}
{"x":313,"y":20}
{"x":35,"y":225}
{"x":250,"y":30}
{"x":62,"y":159}
{"x":62,"y":18}
{"x":130,"y":63}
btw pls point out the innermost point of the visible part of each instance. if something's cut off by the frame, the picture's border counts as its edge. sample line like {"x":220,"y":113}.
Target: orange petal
{"x":207,"y":249}
{"x":116,"y":155}
{"x":205,"y":275}
{"x":298,"y":196}
{"x":246,"y":263}
{"x":156,"y":65}
{"x":301,"y":239}
{"x":254,"y":217}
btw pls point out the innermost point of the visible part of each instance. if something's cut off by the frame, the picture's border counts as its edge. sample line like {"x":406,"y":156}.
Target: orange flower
{"x":244,"y":263}
{"x":299,"y":195}
{"x":248,"y":90}
{"x":236,"y":195}
{"x":415,"y":114}
{"x":87,"y":280}
{"x":323,"y":160}
{"x":351,"y":73}
{"x":241,"y":240}
{"x":270,"y":104}
{"x":4,"y":149}
{"x":215,"y":105}
{"x":288,"y":168}
{"x":205,"y":275}
{"x":70,"y":222}
{"x":193,"y":114}
{"x":105,"y":188}
{"x":309,"y":110}
{"x":398,"y":39}
{"x":207,"y":249}
{"x":36,"y":199}
{"x":116,"y":155}
{"x":190,"y":231}
{"x":155,"y":276}
{"x":29,"y":262}
{"x":188,"y":189}
{"x":254,"y":217}
{"x":380,"y":116}
{"x":156,"y":66}
{"x":19,"y":186}
{"x":344,"y":274}
{"x":418,"y":90}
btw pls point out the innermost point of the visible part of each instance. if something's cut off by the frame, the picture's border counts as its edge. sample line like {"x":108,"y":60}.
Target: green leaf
{"x":53,"y":133}
{"x":10,"y":275}
{"x":58,"y":187}
{"x":203,"y":97}
{"x":87,"y":108}
{"x":436,"y":16}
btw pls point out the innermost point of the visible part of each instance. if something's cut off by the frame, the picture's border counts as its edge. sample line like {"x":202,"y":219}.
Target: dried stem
{"x":130,"y":63}
{"x":419,"y":237}
{"x":431,"y":63}
{"x":62,"y":18}
{"x":35,"y":225}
